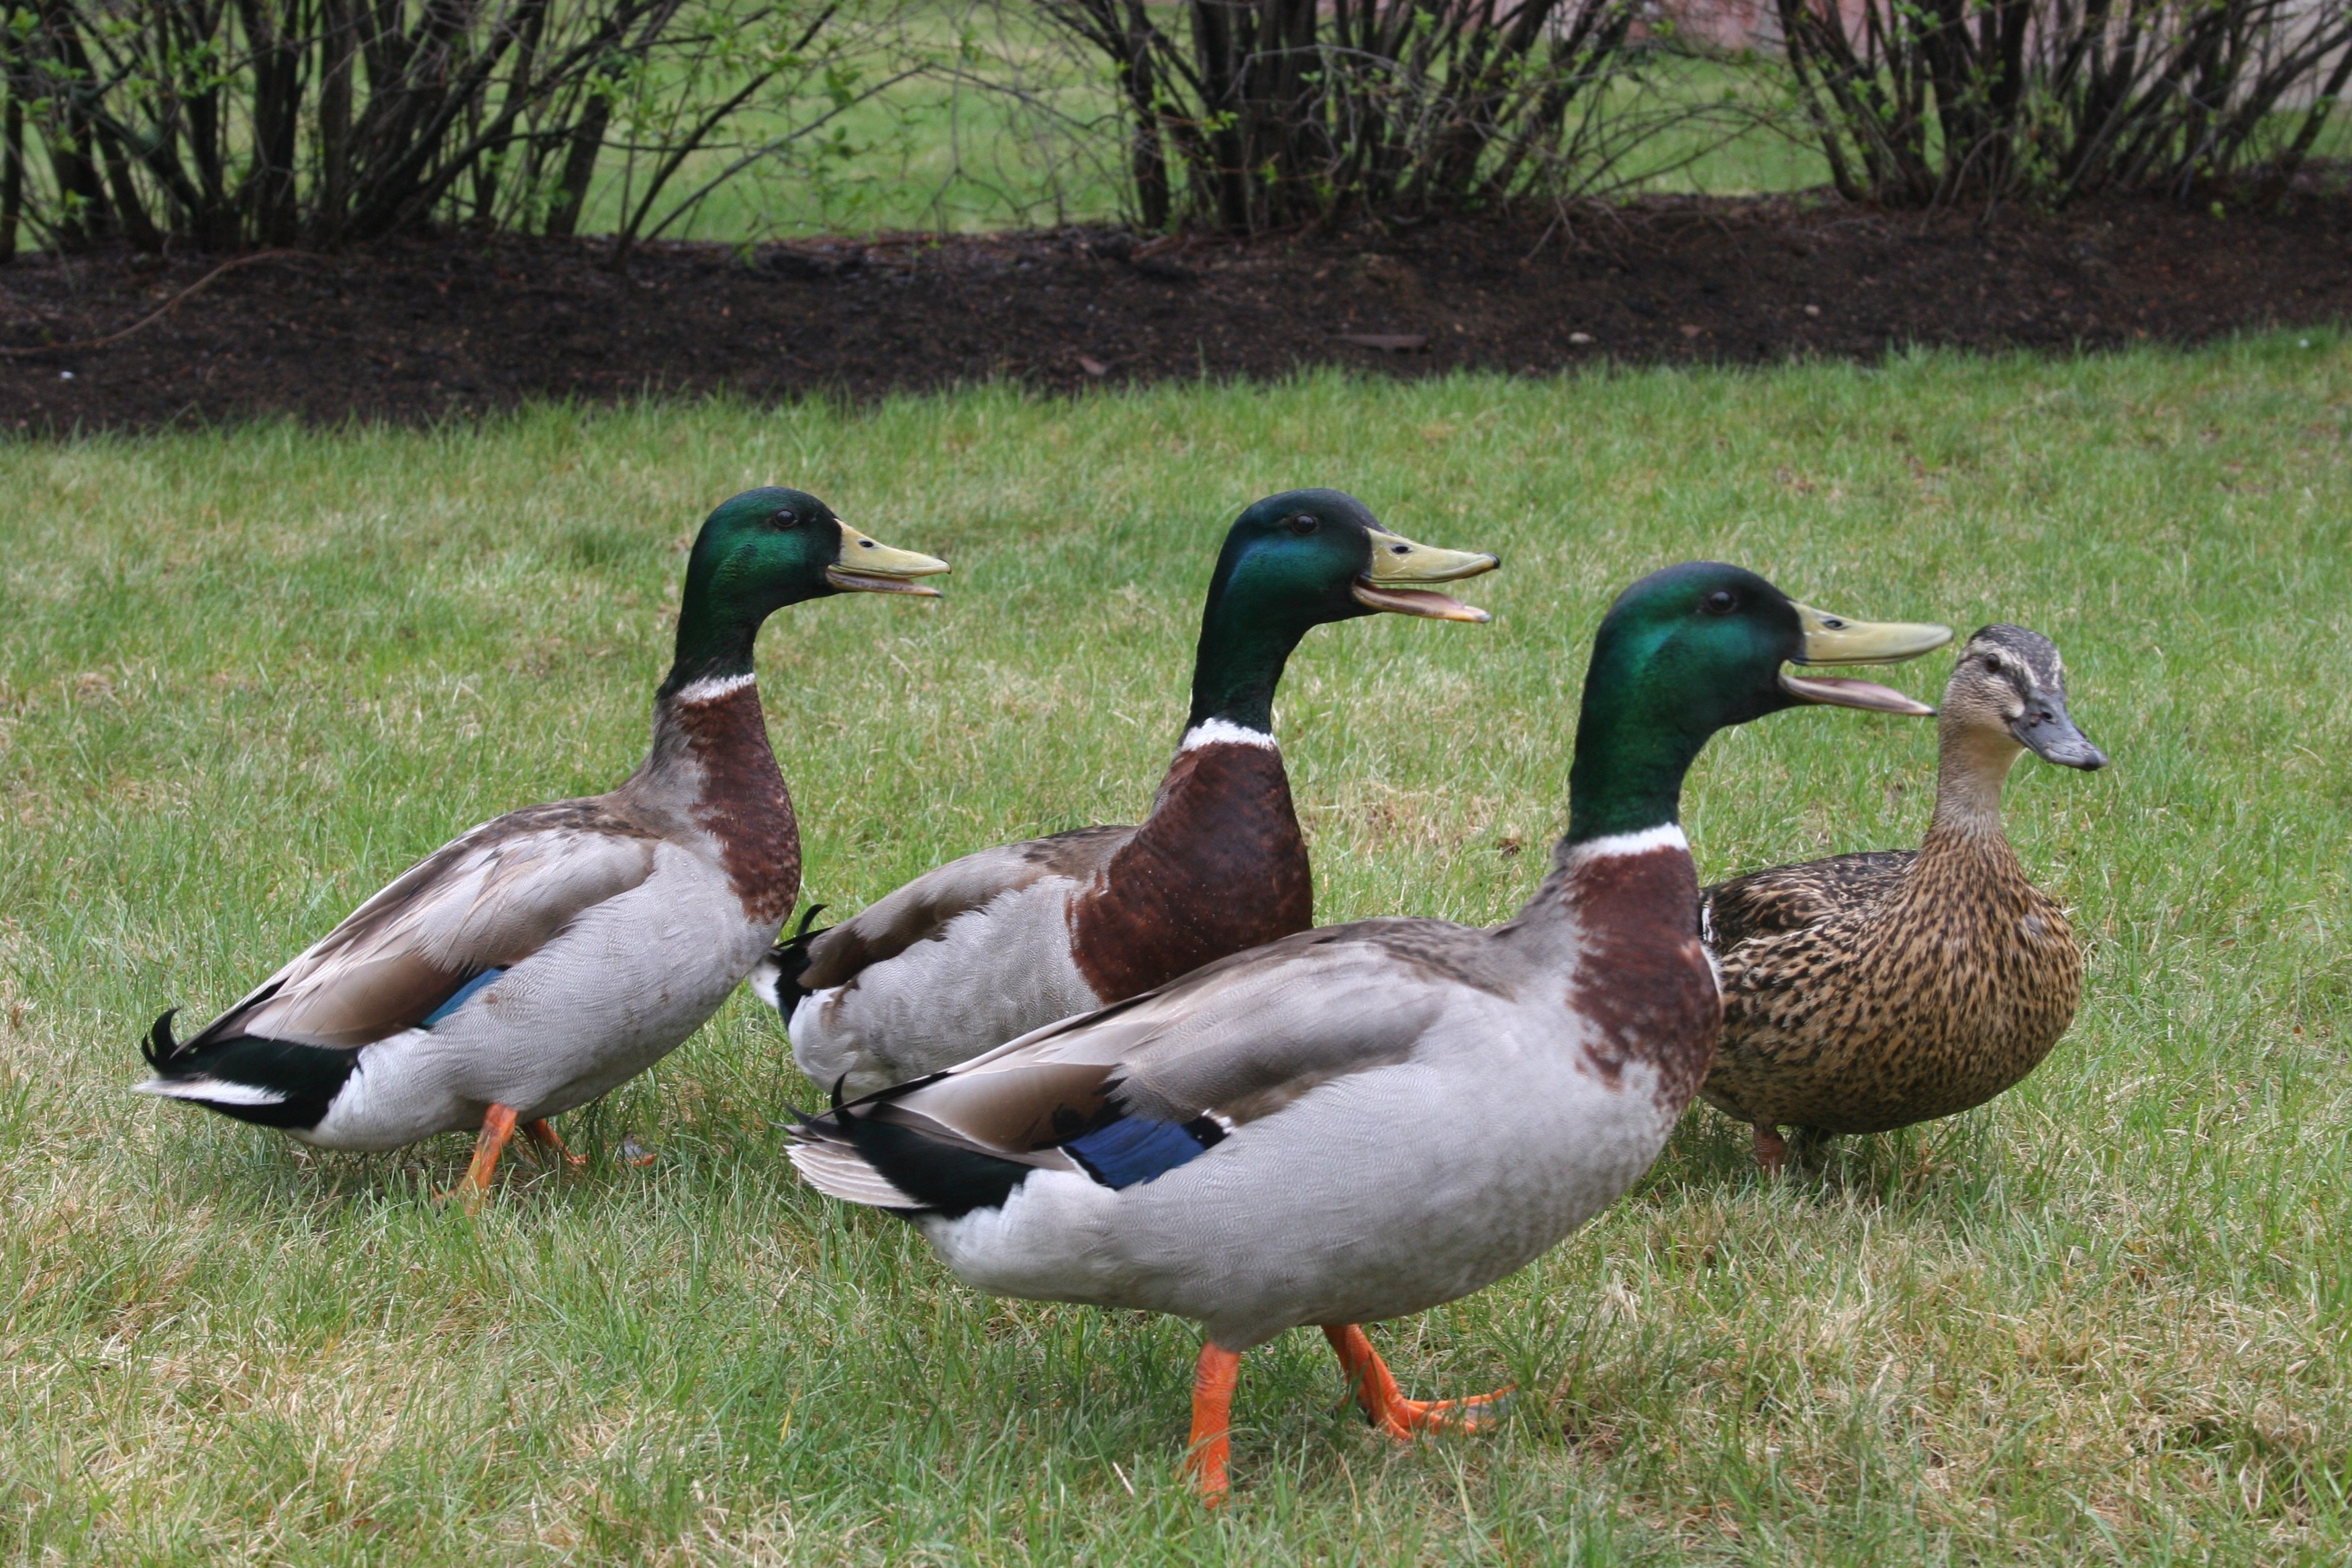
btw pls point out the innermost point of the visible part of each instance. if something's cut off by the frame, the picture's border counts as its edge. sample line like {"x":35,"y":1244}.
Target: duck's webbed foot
{"x":1771,"y":1149}
{"x":544,"y":1136}
{"x":1376,"y":1390}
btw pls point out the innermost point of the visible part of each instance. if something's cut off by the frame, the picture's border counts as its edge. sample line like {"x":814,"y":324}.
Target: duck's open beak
{"x":1836,"y":639}
{"x":1399,"y":565}
{"x":870,"y":566}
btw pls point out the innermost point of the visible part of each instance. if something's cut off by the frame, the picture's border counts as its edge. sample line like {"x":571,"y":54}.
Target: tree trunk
{"x":12,"y":173}
{"x":580,"y":166}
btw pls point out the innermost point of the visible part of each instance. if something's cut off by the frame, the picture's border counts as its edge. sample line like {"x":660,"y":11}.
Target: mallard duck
{"x":534,"y":963}
{"x":1002,"y":940}
{"x":1369,"y":1120}
{"x":1867,"y":992}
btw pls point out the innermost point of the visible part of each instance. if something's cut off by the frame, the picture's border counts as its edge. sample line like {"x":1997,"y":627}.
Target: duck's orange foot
{"x":1370,"y":1380}
{"x":1213,"y":1406}
{"x":543,"y":1135}
{"x":635,"y":1154}
{"x":498,"y":1126}
{"x":1406,"y":1419}
{"x":1771,"y":1149}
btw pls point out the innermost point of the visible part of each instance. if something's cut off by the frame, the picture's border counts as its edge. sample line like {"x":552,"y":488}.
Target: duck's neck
{"x":1617,"y":917}
{"x":1237,"y":664}
{"x":1624,"y":798}
{"x":713,"y":772}
{"x":715,"y":643}
{"x":1972,"y":764}
{"x":1220,"y":864}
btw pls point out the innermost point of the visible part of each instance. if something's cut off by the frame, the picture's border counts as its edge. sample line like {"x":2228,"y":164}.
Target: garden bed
{"x":426,"y":330}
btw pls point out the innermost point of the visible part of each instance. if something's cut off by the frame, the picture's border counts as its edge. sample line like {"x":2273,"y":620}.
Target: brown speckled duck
{"x":1868,"y":991}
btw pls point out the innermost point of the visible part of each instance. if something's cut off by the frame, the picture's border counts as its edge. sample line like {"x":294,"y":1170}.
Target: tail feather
{"x":216,"y":1092}
{"x":273,"y":1083}
{"x":840,"y":1172}
{"x":158,"y":1047}
{"x":776,"y":978}
{"x":855,"y":1155}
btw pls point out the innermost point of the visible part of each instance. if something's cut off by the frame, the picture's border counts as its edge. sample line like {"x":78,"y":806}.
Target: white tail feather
{"x":210,"y":1090}
{"x":762,"y":980}
{"x":841,"y":1173}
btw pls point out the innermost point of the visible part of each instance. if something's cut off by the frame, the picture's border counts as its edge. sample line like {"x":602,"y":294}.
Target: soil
{"x":429,"y":329}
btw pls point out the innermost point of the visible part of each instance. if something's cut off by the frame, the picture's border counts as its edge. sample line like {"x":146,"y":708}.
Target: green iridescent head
{"x":1292,"y":563}
{"x":1696,"y":649}
{"x":763,"y":550}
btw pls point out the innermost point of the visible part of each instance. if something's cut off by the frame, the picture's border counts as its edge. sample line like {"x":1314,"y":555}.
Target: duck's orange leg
{"x":1771,"y":1149}
{"x":498,"y":1126}
{"x":543,"y":1135}
{"x":1370,"y":1380}
{"x":1212,"y":1409}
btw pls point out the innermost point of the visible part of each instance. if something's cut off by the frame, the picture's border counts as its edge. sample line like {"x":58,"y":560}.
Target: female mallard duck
{"x":1868,"y":991}
{"x":1369,"y":1120}
{"x":1006,"y":940}
{"x":540,"y":960}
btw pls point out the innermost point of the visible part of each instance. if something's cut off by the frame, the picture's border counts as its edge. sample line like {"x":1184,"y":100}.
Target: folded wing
{"x":1231,"y":1043}
{"x":922,"y":910}
{"x":1790,"y":898}
{"x":488,"y":899}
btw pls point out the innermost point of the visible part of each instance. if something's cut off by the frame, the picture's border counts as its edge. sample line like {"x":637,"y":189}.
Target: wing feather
{"x":1239,"y":1039}
{"x":922,"y":910}
{"x":488,"y":899}
{"x":1790,"y":898}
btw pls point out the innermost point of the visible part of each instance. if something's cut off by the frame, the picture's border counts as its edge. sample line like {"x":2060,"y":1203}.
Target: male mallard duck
{"x":540,"y":960}
{"x":1369,"y":1120}
{"x":1006,"y":940}
{"x":1871,"y":991}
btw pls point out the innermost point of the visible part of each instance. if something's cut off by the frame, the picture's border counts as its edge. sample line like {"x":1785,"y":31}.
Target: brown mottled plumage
{"x":1868,"y":991}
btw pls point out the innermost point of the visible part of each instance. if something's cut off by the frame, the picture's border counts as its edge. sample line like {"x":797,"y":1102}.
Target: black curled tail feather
{"x":789,"y":959}
{"x":161,"y":1051}
{"x":946,"y":1178}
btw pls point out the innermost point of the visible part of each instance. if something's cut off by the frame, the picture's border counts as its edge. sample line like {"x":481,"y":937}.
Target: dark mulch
{"x":428,"y":329}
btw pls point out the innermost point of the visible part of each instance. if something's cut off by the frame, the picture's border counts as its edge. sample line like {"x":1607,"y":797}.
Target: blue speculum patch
{"x":457,"y":997}
{"x":1131,"y":1150}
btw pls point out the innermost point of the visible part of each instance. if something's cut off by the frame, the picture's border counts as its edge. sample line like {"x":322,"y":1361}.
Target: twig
{"x":166,"y":309}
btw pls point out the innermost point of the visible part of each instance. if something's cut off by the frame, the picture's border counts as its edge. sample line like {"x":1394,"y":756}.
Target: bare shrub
{"x":1918,"y":101}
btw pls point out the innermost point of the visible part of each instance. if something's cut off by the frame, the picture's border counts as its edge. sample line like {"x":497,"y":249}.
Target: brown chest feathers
{"x":1935,"y":997}
{"x":1643,"y":982}
{"x":741,"y":802}
{"x":1218,"y":867}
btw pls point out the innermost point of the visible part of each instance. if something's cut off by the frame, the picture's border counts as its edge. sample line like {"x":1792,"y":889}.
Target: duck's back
{"x":1874,"y":991}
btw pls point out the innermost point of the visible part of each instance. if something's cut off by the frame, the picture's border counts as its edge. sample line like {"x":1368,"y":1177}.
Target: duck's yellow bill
{"x":1391,"y":582}
{"x":870,"y":566}
{"x":1838,"y":640}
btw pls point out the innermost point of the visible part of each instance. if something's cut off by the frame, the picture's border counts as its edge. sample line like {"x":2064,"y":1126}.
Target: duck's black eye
{"x":1722,"y":602}
{"x":1303,"y":525}
{"x":1990,"y":664}
{"x":784,"y":517}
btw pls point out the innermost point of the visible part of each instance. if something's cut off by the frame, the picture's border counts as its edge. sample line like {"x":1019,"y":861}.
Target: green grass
{"x":246,"y":677}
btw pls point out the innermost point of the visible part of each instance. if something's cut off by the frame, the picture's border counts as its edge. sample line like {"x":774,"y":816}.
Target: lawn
{"x":246,"y":677}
